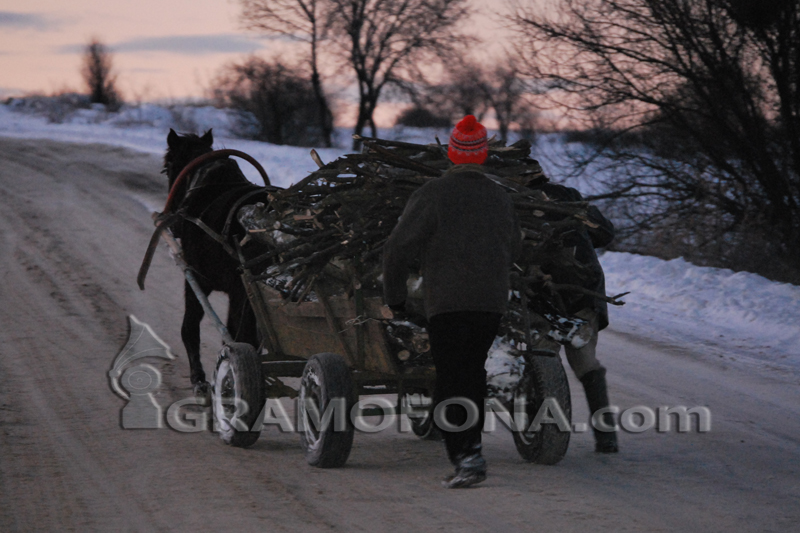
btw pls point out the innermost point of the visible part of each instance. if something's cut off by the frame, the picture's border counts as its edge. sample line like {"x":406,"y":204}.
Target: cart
{"x":333,"y":331}
{"x":342,"y":347}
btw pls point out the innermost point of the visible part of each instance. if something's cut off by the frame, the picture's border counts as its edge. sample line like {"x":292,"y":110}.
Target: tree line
{"x":386,"y":45}
{"x":383,"y":46}
{"x":689,"y":111}
{"x":697,"y":110}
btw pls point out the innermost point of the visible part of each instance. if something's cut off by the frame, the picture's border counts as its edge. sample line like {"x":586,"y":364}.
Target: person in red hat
{"x":462,"y":229}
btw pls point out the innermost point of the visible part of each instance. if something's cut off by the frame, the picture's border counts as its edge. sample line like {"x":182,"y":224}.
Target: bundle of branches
{"x":331,"y":226}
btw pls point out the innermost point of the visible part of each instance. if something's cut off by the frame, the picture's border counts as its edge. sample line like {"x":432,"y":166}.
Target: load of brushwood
{"x":329,"y":229}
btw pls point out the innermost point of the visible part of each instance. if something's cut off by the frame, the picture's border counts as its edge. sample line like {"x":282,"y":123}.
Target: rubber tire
{"x":425,"y":428}
{"x":326,"y":377}
{"x":544,"y":377}
{"x":238,"y":378}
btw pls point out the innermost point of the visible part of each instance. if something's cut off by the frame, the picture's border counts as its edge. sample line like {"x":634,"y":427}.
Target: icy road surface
{"x":73,"y":228}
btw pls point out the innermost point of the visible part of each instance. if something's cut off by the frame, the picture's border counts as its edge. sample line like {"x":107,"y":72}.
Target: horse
{"x":215,"y":189}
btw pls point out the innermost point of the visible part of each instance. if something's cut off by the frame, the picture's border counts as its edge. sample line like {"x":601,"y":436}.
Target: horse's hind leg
{"x":190,"y":333}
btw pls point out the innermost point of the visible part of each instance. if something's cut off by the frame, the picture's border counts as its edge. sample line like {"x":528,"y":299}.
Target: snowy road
{"x":74,"y":227}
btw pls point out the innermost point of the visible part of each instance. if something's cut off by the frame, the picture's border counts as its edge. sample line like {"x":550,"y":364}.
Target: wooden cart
{"x":337,"y":345}
{"x":336,"y":341}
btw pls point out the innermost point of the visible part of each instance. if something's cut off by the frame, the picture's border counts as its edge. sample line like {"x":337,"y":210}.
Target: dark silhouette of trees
{"x":461,"y":93}
{"x":386,"y":40}
{"x":470,"y":88}
{"x":506,"y":90}
{"x":421,"y":117}
{"x":98,"y":76}
{"x":699,"y":105}
{"x":301,"y":20}
{"x":277,"y":103}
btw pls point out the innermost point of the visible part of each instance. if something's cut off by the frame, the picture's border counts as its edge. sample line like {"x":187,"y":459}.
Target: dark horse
{"x":210,"y":195}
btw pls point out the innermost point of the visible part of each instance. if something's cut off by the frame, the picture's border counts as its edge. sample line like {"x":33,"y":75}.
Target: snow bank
{"x":735,"y":314}
{"x":144,"y":128}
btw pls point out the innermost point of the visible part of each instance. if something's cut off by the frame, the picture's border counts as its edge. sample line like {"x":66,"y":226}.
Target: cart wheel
{"x":326,"y":386}
{"x":544,"y":377}
{"x":238,"y":395}
{"x":422,"y":426}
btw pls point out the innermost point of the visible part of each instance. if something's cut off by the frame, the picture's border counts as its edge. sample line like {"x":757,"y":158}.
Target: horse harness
{"x":196,"y":171}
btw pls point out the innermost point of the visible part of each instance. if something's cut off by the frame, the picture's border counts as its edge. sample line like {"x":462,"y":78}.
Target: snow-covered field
{"x":739,"y":317}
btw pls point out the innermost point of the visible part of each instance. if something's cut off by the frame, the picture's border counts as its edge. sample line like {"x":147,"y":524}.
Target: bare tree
{"x":463,"y":91}
{"x":470,"y":88}
{"x":385,"y":40}
{"x":275,"y":101}
{"x":301,"y":20}
{"x":98,"y":76}
{"x":506,"y":91}
{"x":701,"y":103}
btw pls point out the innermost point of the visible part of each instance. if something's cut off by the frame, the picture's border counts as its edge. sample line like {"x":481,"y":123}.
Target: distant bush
{"x":275,"y":102}
{"x":748,"y":250}
{"x":587,"y":136}
{"x":699,"y":232}
{"x":419,"y":117}
{"x":605,"y":137}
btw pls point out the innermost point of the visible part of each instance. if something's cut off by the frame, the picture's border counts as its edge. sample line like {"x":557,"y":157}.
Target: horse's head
{"x":182,"y":149}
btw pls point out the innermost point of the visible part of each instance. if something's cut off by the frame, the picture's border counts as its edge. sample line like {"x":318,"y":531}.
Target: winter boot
{"x":594,"y":383}
{"x":470,"y":471}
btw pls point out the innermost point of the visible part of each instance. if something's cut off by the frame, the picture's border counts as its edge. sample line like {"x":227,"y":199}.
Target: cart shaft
{"x":177,"y":254}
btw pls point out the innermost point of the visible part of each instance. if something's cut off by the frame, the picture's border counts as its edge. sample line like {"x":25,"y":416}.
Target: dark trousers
{"x":460,"y":343}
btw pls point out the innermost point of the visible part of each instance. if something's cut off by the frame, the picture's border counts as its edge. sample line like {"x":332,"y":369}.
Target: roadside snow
{"x":739,"y":317}
{"x":145,"y":129}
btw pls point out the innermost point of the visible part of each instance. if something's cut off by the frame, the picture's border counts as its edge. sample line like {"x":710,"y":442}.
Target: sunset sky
{"x":162,"y":49}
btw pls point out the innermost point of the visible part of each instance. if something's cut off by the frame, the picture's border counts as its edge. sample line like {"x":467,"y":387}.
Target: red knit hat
{"x":468,"y":142}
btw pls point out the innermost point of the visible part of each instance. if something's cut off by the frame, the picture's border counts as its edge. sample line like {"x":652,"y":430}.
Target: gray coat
{"x":461,"y":229}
